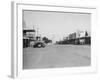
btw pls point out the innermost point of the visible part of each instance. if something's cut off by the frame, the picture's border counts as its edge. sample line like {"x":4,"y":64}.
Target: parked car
{"x":39,"y":44}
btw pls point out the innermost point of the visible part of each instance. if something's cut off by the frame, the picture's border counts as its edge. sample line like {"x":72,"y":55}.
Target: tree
{"x":86,"y":33}
{"x":46,"y":40}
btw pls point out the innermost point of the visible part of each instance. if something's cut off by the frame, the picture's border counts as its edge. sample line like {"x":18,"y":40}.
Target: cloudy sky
{"x":56,"y":25}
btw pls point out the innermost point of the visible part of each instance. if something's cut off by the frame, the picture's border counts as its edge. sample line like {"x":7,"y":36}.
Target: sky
{"x":56,"y":25}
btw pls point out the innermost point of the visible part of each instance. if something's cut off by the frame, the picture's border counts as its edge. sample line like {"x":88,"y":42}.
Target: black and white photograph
{"x":54,"y":39}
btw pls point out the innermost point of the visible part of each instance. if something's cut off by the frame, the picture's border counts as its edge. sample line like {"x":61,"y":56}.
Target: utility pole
{"x":53,"y":38}
{"x":37,"y":31}
{"x":33,"y":27}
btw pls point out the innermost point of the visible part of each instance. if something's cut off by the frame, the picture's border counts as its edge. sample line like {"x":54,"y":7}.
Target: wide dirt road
{"x":57,"y":56}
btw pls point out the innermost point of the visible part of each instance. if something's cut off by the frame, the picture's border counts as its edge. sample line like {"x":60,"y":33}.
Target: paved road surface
{"x":57,"y":56}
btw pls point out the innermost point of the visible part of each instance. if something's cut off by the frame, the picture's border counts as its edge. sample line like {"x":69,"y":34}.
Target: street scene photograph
{"x":53,"y":39}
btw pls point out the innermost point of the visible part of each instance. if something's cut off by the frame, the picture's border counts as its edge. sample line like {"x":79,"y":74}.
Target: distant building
{"x":72,"y":36}
{"x":79,"y":34}
{"x":30,"y":33}
{"x":79,"y":37}
{"x":28,"y":36}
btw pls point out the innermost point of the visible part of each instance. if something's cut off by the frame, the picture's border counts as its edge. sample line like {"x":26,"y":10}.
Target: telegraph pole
{"x":37,"y":31}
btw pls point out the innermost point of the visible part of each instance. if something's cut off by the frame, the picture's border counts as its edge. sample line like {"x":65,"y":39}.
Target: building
{"x":72,"y":36}
{"x":29,"y":35}
{"x":79,"y":37}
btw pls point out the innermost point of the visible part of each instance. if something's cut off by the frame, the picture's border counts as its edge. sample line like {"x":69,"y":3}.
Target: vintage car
{"x":39,"y":44}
